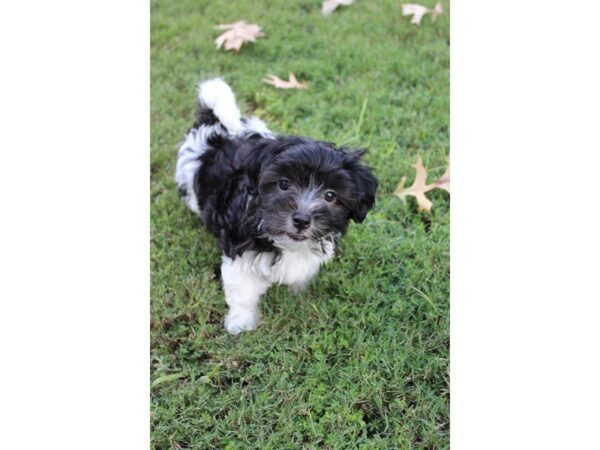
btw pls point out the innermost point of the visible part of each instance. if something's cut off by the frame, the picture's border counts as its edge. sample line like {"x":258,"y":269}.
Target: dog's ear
{"x":365,"y":185}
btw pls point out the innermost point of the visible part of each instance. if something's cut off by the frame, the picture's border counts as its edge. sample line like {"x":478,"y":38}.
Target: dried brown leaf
{"x":330,"y":6}
{"x":293,"y":83}
{"x":418,"y":12}
{"x":237,"y":34}
{"x":420,"y":186}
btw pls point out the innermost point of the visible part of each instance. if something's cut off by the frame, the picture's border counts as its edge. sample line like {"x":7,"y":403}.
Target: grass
{"x":361,"y":359}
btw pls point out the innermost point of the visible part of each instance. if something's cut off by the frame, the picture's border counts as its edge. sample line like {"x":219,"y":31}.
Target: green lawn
{"x":361,"y":359}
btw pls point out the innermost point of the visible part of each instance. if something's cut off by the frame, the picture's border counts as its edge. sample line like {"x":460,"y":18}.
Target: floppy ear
{"x":365,"y":185}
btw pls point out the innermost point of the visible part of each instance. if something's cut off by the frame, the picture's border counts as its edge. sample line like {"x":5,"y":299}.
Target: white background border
{"x":74,"y":99}
{"x":525,"y":225}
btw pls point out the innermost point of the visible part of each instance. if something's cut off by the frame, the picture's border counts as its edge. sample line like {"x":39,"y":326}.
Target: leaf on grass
{"x":293,"y":83}
{"x":237,"y":33}
{"x":418,"y":12}
{"x":166,"y":378}
{"x":330,"y":6}
{"x":420,"y":186}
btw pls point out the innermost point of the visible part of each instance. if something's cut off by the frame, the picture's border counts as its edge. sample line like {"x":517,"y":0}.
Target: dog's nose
{"x":301,"y":220}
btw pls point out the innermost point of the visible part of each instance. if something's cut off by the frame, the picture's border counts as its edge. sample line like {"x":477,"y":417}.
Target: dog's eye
{"x":330,"y":196}
{"x":284,"y":185}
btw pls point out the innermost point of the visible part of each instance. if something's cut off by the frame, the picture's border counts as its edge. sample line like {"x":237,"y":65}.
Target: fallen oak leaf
{"x":330,"y":6}
{"x":293,"y":83}
{"x":418,"y":12}
{"x":420,"y":186}
{"x":237,"y":34}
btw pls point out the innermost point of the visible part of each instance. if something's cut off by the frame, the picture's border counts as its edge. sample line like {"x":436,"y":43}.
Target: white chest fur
{"x":295,"y":264}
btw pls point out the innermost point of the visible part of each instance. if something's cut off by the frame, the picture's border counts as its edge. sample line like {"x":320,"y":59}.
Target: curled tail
{"x":216,"y":104}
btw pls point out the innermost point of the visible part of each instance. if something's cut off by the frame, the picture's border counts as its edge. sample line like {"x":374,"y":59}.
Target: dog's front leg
{"x":243,"y":289}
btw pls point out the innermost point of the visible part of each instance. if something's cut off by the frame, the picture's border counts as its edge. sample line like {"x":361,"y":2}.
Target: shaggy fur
{"x":278,"y":205}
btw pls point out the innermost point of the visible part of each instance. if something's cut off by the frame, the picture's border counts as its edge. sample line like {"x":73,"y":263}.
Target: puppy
{"x":277,"y":204}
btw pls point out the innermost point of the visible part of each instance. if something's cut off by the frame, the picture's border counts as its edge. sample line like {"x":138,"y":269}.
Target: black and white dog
{"x":277,"y":204}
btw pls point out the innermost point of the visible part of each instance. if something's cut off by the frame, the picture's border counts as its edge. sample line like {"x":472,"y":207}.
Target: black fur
{"x":205,"y":116}
{"x":242,"y":203}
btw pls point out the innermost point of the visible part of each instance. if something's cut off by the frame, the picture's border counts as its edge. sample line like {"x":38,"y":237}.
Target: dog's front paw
{"x":241,"y":319}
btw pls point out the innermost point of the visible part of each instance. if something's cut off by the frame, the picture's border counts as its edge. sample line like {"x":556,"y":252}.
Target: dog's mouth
{"x":297,"y":237}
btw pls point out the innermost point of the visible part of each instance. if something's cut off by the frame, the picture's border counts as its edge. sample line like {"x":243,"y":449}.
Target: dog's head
{"x":307,"y":189}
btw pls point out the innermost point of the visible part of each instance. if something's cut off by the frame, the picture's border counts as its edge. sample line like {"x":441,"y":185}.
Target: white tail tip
{"x":215,"y":94}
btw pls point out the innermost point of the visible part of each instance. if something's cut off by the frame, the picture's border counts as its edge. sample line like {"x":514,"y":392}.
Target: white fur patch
{"x":255,"y":125}
{"x":215,"y":94}
{"x":188,"y":162}
{"x":243,"y":289}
